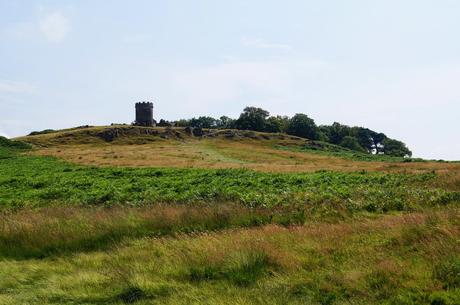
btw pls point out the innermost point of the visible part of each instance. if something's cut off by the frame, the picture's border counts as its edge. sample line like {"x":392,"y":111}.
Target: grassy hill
{"x":130,"y":146}
{"x":137,"y":215}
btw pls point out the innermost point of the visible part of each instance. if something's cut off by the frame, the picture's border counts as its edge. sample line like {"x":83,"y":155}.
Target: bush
{"x":7,"y":143}
{"x":34,"y":133}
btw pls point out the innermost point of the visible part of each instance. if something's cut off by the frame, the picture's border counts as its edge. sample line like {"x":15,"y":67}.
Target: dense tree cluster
{"x":253,"y":118}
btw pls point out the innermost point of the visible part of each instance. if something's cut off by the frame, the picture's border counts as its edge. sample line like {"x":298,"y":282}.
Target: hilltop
{"x":134,"y":146}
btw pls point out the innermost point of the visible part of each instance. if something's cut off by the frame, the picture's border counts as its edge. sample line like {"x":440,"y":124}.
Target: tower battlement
{"x":144,"y":104}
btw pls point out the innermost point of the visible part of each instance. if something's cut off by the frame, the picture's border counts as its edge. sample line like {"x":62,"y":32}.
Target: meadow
{"x":93,"y":230}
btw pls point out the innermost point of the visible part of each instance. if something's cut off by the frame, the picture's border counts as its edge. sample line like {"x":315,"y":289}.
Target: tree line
{"x":257,"y":119}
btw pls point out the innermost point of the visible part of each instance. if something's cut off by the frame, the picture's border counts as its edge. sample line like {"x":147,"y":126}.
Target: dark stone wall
{"x":144,"y":114}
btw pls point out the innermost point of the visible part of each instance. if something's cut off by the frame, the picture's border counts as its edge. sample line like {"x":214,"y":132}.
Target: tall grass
{"x":57,"y":230}
{"x":394,"y":259}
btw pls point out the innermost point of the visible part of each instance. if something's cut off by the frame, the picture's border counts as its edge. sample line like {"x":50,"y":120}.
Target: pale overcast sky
{"x":392,"y":66}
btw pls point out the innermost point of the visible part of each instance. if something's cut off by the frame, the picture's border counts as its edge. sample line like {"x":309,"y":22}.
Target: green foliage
{"x":276,"y":124}
{"x":46,"y":131}
{"x":182,"y":123}
{"x":40,"y":181}
{"x":203,"y":122}
{"x":164,"y":123}
{"x":367,"y":140}
{"x":12,"y":144}
{"x":359,"y":139}
{"x":395,"y":148}
{"x":9,"y":148}
{"x":351,"y":143}
{"x":336,"y":132}
{"x":252,"y":118}
{"x":324,"y":148}
{"x":302,"y":126}
{"x":225,"y":122}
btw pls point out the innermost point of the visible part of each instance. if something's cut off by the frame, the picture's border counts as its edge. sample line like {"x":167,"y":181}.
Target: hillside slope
{"x":130,"y":146}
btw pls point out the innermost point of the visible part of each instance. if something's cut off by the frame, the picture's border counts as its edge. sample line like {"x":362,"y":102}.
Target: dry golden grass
{"x":257,"y":155}
{"x":163,"y":147}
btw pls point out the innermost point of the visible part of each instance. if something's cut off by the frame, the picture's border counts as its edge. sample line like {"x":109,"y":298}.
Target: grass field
{"x":123,"y":215}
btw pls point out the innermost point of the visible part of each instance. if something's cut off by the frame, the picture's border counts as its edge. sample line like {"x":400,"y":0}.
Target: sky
{"x":392,"y":66}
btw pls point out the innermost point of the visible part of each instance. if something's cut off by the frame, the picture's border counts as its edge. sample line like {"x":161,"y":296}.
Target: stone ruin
{"x":144,"y":114}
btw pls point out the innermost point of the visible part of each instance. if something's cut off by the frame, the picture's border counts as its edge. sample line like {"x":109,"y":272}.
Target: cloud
{"x":8,"y":87}
{"x":54,"y":26}
{"x":262,"y":44}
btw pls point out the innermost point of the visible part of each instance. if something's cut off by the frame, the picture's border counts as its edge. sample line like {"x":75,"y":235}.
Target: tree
{"x":252,"y":118}
{"x":164,"y":123}
{"x":182,"y":123}
{"x":225,"y":122}
{"x":395,"y":148}
{"x":203,"y":122}
{"x":337,"y":132}
{"x":302,"y":126}
{"x":352,"y":143}
{"x":276,"y":124}
{"x":364,"y":137}
{"x":378,"y":141}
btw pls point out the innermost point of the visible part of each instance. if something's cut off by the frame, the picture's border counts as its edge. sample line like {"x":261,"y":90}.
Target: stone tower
{"x":144,"y":114}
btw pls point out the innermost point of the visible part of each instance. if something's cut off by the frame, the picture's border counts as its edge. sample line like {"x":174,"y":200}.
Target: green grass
{"x":28,"y":181}
{"x":73,"y":234}
{"x":404,"y":259}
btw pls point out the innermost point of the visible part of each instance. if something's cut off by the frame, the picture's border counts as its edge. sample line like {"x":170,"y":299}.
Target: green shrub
{"x":7,"y":143}
{"x":46,"y":131}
